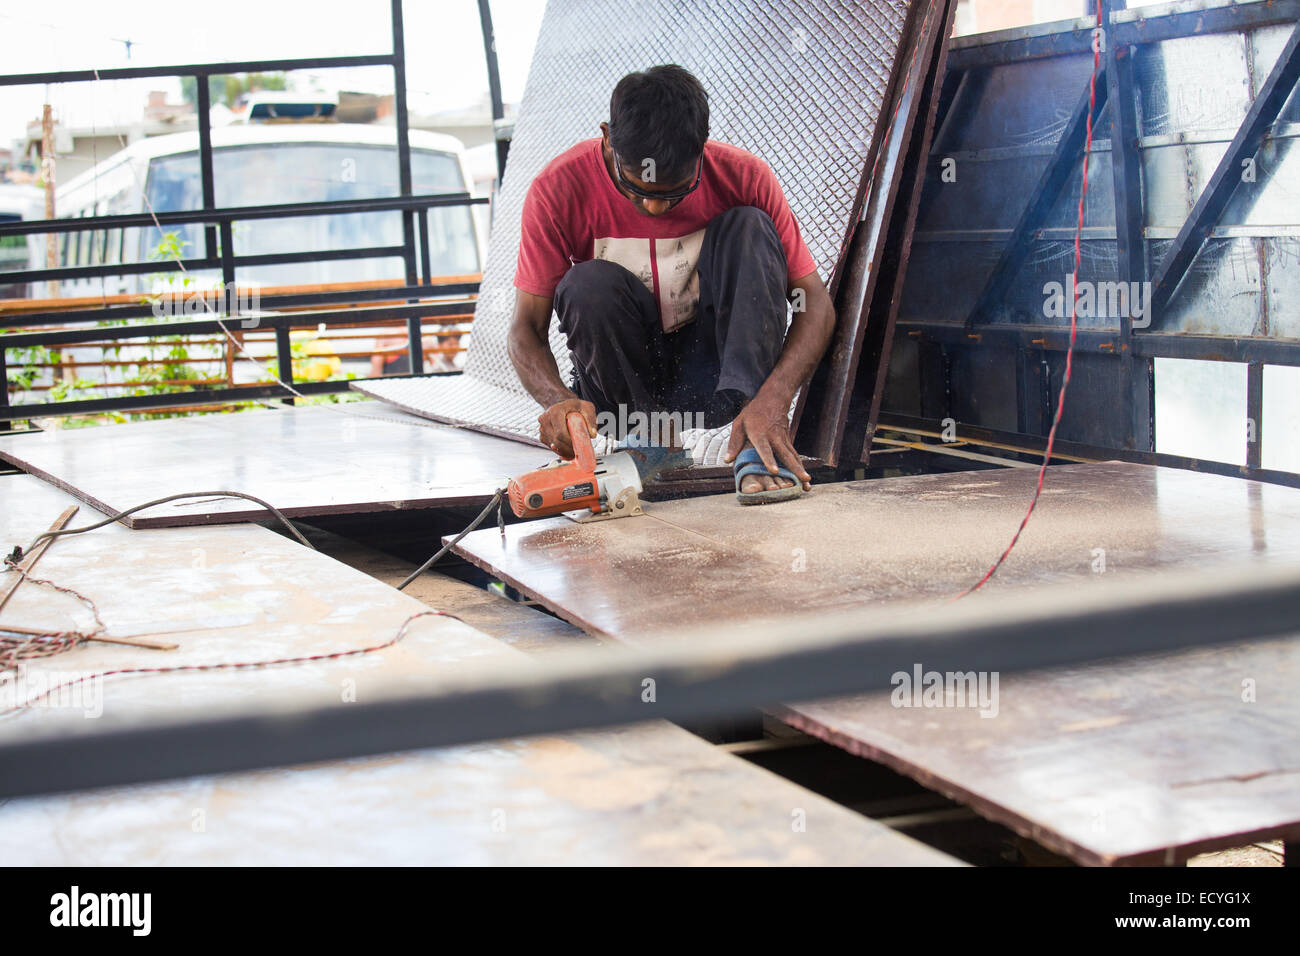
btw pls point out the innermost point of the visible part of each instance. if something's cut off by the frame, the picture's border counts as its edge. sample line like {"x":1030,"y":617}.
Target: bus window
{"x":175,"y":184}
{"x":314,"y":172}
{"x":435,"y":173}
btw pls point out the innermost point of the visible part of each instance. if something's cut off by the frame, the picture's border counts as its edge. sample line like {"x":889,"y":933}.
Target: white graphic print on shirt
{"x":666,"y":267}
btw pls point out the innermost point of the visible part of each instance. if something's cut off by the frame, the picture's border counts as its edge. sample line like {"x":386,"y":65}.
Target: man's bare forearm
{"x":536,"y":368}
{"x":530,"y":352}
{"x":810,"y":333}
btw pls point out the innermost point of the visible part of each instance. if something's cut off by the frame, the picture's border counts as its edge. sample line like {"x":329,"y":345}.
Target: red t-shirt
{"x":573,"y":213}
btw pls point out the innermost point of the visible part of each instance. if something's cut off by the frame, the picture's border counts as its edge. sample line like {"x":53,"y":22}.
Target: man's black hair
{"x":661,"y":114}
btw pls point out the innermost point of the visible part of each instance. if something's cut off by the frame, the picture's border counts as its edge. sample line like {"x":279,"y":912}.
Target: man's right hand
{"x":554,"y":426}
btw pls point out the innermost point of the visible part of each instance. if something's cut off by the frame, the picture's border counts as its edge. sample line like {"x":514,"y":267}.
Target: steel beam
{"x":865,"y":391}
{"x":415,"y":349}
{"x":178,"y":265}
{"x":270,"y":303}
{"x":494,"y":84}
{"x":337,"y":207}
{"x":118,"y":269}
{"x":284,"y":359}
{"x":1184,"y":345}
{"x":206,"y":177}
{"x":227,"y":260}
{"x":143,"y":403}
{"x":705,"y":675}
{"x":16,"y":340}
{"x":1137,"y":401}
{"x":1133,"y":27}
{"x":1063,"y":450}
{"x":1255,"y":415}
{"x":4,"y":392}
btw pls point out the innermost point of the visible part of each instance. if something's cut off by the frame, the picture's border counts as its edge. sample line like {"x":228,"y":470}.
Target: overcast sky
{"x":444,"y":49}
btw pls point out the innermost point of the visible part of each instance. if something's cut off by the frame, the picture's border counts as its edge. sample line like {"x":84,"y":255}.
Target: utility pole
{"x":47,"y":177}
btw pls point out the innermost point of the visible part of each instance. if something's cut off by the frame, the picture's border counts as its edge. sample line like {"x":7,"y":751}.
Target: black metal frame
{"x":1115,"y":85}
{"x":1064,"y":452}
{"x":218,"y":243}
{"x":1135,"y":27}
{"x":494,"y":87}
{"x":223,"y":219}
{"x":1272,"y":96}
{"x":1134,"y":350}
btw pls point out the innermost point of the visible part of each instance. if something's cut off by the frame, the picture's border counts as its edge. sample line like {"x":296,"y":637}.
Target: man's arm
{"x":765,"y":421}
{"x":530,"y":353}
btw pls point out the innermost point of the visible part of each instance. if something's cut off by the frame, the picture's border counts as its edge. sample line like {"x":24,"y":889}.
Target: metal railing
{"x":424,"y":297}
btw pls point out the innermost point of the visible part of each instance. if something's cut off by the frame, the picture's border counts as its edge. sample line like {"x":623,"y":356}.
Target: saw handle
{"x":583,"y":453}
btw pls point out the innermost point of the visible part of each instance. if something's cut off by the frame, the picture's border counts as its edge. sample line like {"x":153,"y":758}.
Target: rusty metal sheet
{"x":363,"y":457}
{"x":1135,"y":762}
{"x":1148,"y":762}
{"x":848,"y":401}
{"x":865,"y":543}
{"x":646,"y":794}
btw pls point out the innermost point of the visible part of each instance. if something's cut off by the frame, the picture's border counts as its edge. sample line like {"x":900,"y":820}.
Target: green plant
{"x":167,"y":359}
{"x":29,"y":361}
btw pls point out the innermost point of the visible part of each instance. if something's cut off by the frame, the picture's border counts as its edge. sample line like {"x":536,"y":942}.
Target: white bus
{"x":264,"y":164}
{"x":267,"y":163}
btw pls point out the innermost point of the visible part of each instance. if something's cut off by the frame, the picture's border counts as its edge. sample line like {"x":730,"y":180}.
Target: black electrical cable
{"x":495,"y":502}
{"x":159,"y":501}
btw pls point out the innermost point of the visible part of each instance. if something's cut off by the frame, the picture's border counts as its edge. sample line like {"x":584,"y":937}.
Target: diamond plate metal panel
{"x":797,"y":82}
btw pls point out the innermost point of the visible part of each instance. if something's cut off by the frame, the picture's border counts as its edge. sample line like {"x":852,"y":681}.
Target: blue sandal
{"x":749,"y":462}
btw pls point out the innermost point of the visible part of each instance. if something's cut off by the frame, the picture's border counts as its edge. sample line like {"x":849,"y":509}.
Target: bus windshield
{"x":274,"y":173}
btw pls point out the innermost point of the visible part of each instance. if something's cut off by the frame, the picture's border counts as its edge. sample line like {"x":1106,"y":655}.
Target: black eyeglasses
{"x":647,"y":194}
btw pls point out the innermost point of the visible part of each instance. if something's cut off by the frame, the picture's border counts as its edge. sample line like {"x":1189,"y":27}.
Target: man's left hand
{"x":765,"y":424}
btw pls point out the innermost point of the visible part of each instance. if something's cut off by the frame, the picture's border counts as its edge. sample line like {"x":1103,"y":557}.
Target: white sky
{"x":444,"y":49}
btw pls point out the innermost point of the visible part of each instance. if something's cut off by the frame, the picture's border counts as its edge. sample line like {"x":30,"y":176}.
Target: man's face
{"x":627,"y":177}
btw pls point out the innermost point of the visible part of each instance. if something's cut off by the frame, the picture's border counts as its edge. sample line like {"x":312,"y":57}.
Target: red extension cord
{"x":1069,"y":352}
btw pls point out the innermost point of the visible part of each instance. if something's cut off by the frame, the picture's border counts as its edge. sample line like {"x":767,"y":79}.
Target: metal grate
{"x":797,"y":82}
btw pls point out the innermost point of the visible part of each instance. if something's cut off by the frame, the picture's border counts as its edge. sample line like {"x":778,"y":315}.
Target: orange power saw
{"x":586,"y":489}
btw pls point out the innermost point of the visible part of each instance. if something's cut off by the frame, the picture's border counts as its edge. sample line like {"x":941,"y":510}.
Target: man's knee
{"x":746,"y":221}
{"x":742,"y":240}
{"x":597,"y":301}
{"x":590,"y":286}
